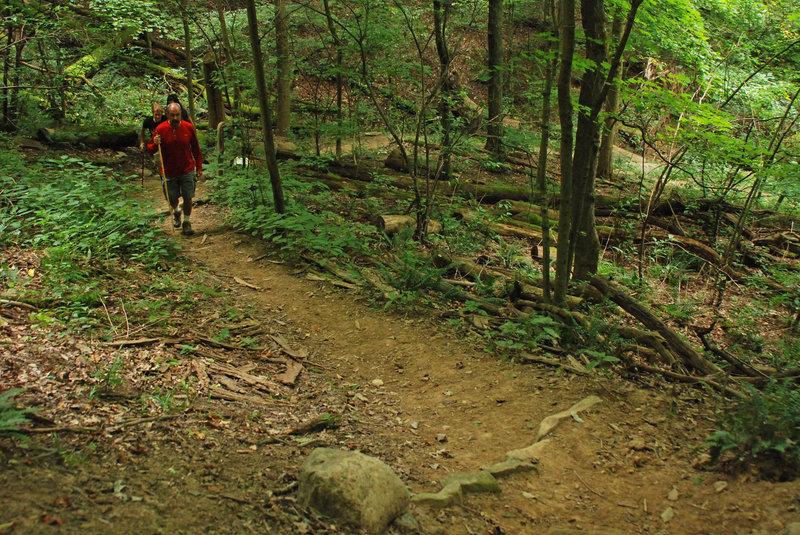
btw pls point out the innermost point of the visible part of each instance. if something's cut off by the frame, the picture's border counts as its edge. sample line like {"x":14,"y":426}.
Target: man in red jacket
{"x":183,"y":163}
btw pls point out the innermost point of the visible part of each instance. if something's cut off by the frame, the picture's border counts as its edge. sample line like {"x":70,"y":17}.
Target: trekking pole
{"x":142,"y":151}
{"x":164,"y":183}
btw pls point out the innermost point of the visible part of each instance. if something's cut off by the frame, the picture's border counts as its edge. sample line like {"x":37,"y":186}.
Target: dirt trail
{"x":432,"y":403}
{"x":408,"y":390}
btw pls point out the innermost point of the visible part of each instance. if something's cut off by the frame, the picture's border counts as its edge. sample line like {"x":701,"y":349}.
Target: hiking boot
{"x":187,"y":229}
{"x":176,"y":217}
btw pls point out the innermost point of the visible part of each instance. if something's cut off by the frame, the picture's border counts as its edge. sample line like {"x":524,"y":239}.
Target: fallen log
{"x":692,"y":358}
{"x":782,"y":241}
{"x":392,"y":224}
{"x":525,"y":211}
{"x":111,"y":138}
{"x":528,"y":232}
{"x":682,"y":377}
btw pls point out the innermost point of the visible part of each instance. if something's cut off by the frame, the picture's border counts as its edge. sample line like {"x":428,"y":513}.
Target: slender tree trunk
{"x":584,"y":244}
{"x":6,"y":123}
{"x":283,"y":84}
{"x":605,"y":159}
{"x":339,"y":79}
{"x":216,"y":110}
{"x":441,"y":10}
{"x":541,"y":170}
{"x":266,"y":114}
{"x":13,"y":101}
{"x":566,"y":39}
{"x":228,"y":52}
{"x":187,"y":44}
{"x":494,"y":127}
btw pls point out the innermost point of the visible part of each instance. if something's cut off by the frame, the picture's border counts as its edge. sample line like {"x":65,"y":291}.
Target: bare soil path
{"x":407,"y":389}
{"x":433,"y":403}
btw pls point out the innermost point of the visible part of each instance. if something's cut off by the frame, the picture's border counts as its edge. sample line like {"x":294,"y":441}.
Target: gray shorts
{"x":181,"y":186}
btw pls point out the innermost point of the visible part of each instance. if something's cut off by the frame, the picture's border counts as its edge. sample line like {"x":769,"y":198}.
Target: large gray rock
{"x":352,"y":487}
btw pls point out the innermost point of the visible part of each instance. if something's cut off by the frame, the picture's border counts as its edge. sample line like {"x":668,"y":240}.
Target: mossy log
{"x":528,"y":212}
{"x":517,"y":230}
{"x":392,"y":224}
{"x":111,"y":138}
{"x":89,"y":64}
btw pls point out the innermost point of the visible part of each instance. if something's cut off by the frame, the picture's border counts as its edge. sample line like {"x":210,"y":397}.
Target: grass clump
{"x":761,"y":431}
{"x":10,"y":416}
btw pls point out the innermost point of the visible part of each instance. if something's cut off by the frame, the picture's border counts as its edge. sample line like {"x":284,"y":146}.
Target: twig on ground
{"x":20,"y":304}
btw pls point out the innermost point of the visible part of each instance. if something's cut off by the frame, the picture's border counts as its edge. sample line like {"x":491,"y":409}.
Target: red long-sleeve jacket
{"x":179,"y":148}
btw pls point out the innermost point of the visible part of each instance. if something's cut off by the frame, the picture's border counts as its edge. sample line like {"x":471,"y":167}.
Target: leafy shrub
{"x":762,"y":430}
{"x":10,"y":416}
{"x":526,"y":332}
{"x":71,"y":204}
{"x":301,"y":229}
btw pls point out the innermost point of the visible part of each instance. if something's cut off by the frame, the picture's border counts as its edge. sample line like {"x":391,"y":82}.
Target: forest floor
{"x":402,"y":388}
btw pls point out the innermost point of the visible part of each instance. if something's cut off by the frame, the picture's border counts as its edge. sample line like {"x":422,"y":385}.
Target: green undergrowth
{"x":89,"y":230}
{"x":760,"y":431}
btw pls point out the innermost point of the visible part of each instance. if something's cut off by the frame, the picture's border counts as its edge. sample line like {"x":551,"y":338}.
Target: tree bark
{"x":216,"y":110}
{"x":266,"y":114}
{"x":187,"y":45}
{"x":541,"y":171}
{"x":339,"y":77}
{"x":584,"y":245}
{"x":496,"y":67}
{"x":605,"y":158}
{"x":283,"y":84}
{"x":566,"y":38}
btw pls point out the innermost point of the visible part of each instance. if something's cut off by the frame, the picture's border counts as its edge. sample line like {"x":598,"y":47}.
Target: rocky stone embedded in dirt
{"x":406,"y":523}
{"x":352,"y":487}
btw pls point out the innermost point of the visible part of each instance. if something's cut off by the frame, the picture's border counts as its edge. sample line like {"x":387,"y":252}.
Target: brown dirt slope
{"x":403,"y":389}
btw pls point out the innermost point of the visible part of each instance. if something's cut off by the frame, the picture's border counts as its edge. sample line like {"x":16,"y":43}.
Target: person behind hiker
{"x":149,"y":124}
{"x":183,"y":163}
{"x":184,"y":114}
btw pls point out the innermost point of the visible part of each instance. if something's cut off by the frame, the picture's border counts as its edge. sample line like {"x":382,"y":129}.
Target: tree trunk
{"x":605,"y":159}
{"x":283,"y":84}
{"x":89,"y":64}
{"x":496,"y":67}
{"x":216,"y":110}
{"x":266,"y":114}
{"x":584,"y":244}
{"x":187,"y":45}
{"x":566,"y":40}
{"x":339,"y":81}
{"x":441,"y":13}
{"x":7,"y":124}
{"x":541,"y":172}
{"x":688,"y":354}
{"x":228,"y":51}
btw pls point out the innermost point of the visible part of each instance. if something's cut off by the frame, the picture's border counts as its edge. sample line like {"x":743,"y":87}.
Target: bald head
{"x":174,"y":114}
